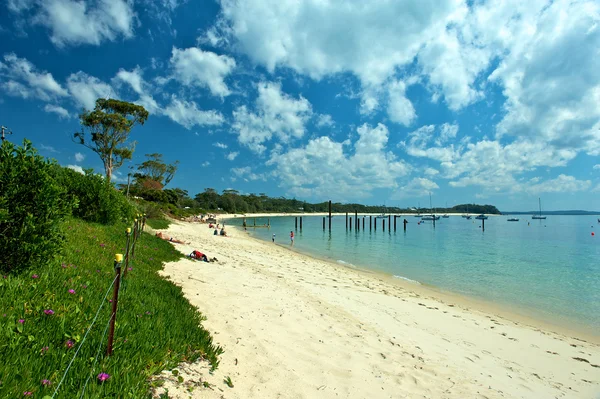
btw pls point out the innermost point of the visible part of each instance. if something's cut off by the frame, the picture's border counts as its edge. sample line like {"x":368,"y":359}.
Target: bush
{"x":32,"y":205}
{"x":97,"y":200}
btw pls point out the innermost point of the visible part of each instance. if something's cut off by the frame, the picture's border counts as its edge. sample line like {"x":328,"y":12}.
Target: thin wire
{"x":97,"y":354}
{"x":84,"y":338}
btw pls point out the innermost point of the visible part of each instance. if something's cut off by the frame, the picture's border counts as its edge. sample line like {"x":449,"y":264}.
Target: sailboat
{"x":418,"y":215}
{"x":446,"y":216}
{"x":383,"y":214}
{"x":432,"y":216}
{"x":540,"y":215}
{"x":467,"y":216}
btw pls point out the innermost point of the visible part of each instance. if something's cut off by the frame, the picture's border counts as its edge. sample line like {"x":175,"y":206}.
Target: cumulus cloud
{"x":325,"y":169}
{"x":195,"y":67}
{"x":187,"y":114}
{"x":79,"y":157}
{"x":232,"y":155}
{"x":73,"y":22}
{"x":86,"y":89}
{"x":417,"y":187}
{"x":400,"y":109}
{"x":246,"y":174}
{"x":220,"y":145}
{"x":561,"y":184}
{"x":277,"y":114}
{"x":325,"y":120}
{"x":58,"y":110}
{"x":135,"y":80}
{"x":76,"y":168}
{"x":596,"y":167}
{"x":23,"y":79}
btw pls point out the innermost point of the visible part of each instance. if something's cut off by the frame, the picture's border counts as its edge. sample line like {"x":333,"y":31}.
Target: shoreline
{"x":293,"y":326}
{"x":559,"y":324}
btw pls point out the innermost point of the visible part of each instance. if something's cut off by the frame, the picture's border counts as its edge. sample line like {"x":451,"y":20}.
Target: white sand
{"x":296,"y":327}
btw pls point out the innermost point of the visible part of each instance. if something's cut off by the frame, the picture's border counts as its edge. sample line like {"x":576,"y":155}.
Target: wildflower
{"x":102,"y":245}
{"x":64,"y":265}
{"x":46,"y":382}
{"x":35,"y":276}
{"x":71,"y":291}
{"x":110,"y":300}
{"x":69,"y":344}
{"x":45,"y":349}
{"x":148,"y":312}
{"x":103,"y":377}
{"x":27,"y":393}
{"x":49,"y":312}
{"x":130,"y":268}
{"x":151,"y":259}
{"x":21,"y":321}
{"x":83,"y":286}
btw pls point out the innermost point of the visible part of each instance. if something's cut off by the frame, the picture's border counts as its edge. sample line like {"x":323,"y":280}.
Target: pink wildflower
{"x":21,"y":321}
{"x":27,"y":393}
{"x":103,"y":377}
{"x":46,"y":382}
{"x":45,"y":349}
{"x":49,"y":312}
{"x":71,"y":291}
{"x":69,"y":344}
{"x":35,"y":276}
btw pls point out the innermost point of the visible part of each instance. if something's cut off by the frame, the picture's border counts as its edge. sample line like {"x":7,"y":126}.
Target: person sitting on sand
{"x":216,"y":232}
{"x":171,"y":239}
{"x":223,"y":232}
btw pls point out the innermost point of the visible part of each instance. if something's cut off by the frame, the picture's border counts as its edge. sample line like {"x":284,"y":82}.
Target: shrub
{"x":32,"y":205}
{"x":97,"y":199}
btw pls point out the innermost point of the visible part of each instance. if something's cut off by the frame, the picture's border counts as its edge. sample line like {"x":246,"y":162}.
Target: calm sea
{"x":549,"y":269}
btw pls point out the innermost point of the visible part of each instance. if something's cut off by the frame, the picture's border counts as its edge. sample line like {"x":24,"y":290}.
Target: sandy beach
{"x":293,"y":326}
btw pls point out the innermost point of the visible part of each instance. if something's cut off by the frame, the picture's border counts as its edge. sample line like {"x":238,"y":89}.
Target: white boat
{"x":512,"y":220}
{"x":481,"y":217}
{"x":430,"y":217}
{"x":446,"y":216}
{"x":540,"y":215}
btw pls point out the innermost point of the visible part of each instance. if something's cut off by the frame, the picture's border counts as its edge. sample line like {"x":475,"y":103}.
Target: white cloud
{"x":232,"y":155}
{"x":24,"y":80}
{"x":561,"y":184}
{"x":73,"y":22}
{"x":277,"y":114}
{"x":417,"y":145}
{"x":76,"y":168}
{"x":447,"y":132}
{"x":400,"y":109}
{"x":431,"y":172}
{"x":58,"y":110}
{"x":195,"y":67}
{"x":187,"y":114}
{"x":18,"y":6}
{"x":417,"y":187}
{"x":596,"y":167}
{"x":325,"y":120}
{"x":324,"y":169}
{"x":79,"y":157}
{"x":86,"y":89}
{"x":247,"y":174}
{"x":551,"y":77}
{"x":220,"y":145}
{"x":205,"y":164}
{"x":137,"y":83}
{"x":48,"y":148}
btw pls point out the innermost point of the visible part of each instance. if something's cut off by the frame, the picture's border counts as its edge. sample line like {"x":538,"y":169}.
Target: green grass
{"x":158,"y":224}
{"x":156,"y":327}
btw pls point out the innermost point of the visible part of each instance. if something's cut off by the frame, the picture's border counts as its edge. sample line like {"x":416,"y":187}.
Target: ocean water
{"x":548,"y":269}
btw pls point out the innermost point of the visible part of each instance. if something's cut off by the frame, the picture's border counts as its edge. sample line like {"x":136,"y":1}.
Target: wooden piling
{"x":363,"y":223}
{"x":375,"y":224}
{"x":383,"y":225}
{"x":346,"y":220}
{"x":356,"y":220}
{"x":389,"y":222}
{"x":370,"y":222}
{"x":405,"y":221}
{"x":323,"y":223}
{"x":483,"y":224}
{"x":300,"y":222}
{"x":296,"y":223}
{"x":329,"y":215}
{"x":350,"y":223}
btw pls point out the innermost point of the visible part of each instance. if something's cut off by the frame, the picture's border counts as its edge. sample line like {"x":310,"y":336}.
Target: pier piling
{"x":329,"y":216}
{"x":405,"y":221}
{"x":370,"y":222}
{"x":356,"y":220}
{"x":296,"y":223}
{"x":382,"y":224}
{"x":363,"y":223}
{"x":483,"y":224}
{"x":395,"y":222}
{"x":300,"y":222}
{"x":346,"y":220}
{"x":375,"y":224}
{"x":350,"y":223}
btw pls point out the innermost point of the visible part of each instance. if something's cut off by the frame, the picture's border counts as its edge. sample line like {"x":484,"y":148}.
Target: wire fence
{"x":132,"y":238}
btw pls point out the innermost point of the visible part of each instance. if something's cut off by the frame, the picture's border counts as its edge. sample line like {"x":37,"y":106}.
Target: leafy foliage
{"x":109,"y":125}
{"x":32,"y":204}
{"x":97,"y":199}
{"x":156,"y":327}
{"x":156,"y":170}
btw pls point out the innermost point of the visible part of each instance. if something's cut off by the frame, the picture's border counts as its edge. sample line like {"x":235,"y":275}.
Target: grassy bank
{"x":158,"y":224}
{"x":44,"y":315}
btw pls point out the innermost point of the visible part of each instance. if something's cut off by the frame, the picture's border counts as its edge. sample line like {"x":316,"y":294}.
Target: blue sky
{"x":473,"y":101}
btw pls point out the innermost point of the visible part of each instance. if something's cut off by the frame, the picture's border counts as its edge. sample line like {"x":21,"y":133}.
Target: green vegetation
{"x":109,"y":125}
{"x":32,"y":204}
{"x":156,"y":326}
{"x":158,"y":224}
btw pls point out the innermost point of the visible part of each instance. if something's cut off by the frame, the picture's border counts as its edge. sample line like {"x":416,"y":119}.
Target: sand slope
{"x":297,"y":327}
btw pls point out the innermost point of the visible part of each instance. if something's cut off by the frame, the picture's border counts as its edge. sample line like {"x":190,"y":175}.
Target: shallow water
{"x":549,"y":269}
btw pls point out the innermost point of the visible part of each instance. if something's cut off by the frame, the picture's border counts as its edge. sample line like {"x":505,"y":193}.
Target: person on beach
{"x":273,"y":238}
{"x":198,"y":255}
{"x":171,"y":239}
{"x":216,"y":233}
{"x":292,"y":238}
{"x":223,"y":232}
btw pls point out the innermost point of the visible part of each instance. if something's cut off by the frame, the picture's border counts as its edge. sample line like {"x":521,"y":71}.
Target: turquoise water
{"x":549,"y":269}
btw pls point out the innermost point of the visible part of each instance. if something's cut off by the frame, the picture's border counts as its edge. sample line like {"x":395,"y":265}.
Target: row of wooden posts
{"x":372,"y":222}
{"x":132,"y":238}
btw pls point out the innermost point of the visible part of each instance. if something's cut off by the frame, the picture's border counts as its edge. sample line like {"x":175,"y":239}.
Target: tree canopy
{"x":106,"y":129}
{"x":155,"y":169}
